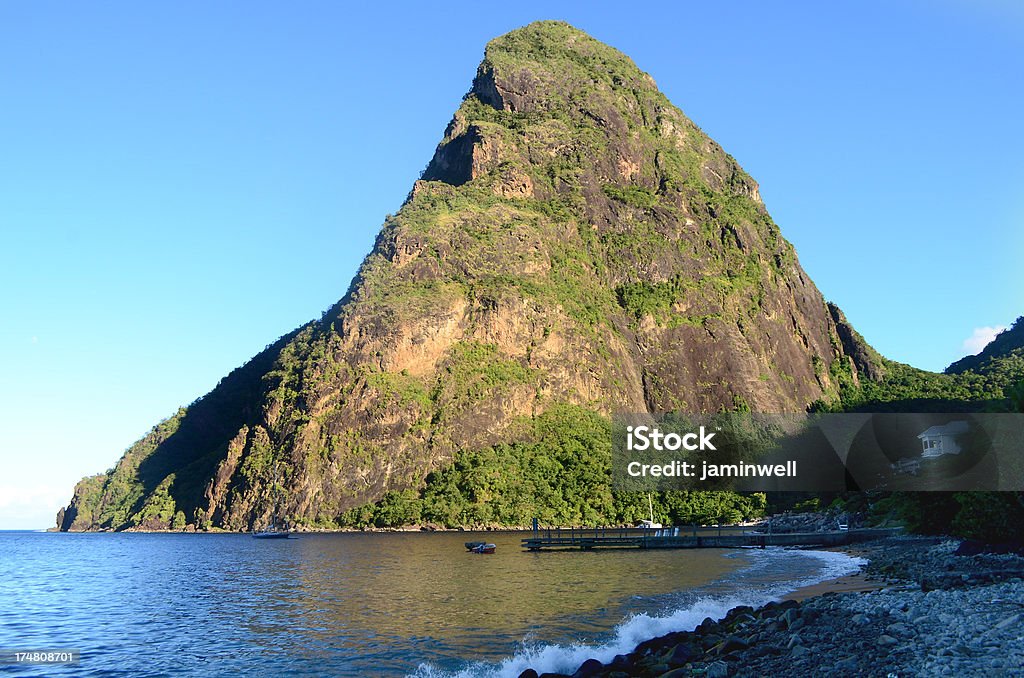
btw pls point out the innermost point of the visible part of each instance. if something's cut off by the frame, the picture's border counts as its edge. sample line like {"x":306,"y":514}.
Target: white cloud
{"x":981,"y":338}
{"x":30,"y":507}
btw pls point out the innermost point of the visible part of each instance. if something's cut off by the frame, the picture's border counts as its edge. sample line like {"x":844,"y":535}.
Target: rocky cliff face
{"x":575,"y":239}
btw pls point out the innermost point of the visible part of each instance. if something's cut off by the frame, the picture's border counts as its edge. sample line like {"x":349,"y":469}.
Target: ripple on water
{"x":179,"y":604}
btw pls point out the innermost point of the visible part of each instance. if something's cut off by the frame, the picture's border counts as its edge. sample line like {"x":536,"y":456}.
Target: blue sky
{"x":182,"y":183}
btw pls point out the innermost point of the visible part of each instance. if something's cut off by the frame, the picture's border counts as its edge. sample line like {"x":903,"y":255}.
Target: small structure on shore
{"x":939,"y":440}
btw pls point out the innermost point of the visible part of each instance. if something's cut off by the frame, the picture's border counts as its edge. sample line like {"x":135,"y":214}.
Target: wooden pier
{"x":690,"y":538}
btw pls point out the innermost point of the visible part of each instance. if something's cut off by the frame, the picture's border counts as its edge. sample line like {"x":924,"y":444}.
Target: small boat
{"x":470,"y":545}
{"x":273,"y":530}
{"x":649,"y":524}
{"x":483,"y":548}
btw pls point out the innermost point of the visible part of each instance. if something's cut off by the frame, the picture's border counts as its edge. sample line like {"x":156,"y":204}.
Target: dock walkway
{"x":690,"y":538}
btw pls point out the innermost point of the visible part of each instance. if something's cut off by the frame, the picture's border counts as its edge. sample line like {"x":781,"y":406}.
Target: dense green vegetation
{"x":475,"y":369}
{"x":906,"y":388}
{"x":635,"y":196}
{"x":987,"y":516}
{"x":987,"y":385}
{"x":559,"y":472}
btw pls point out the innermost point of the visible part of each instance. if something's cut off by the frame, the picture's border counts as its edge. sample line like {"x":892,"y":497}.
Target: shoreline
{"x":415,"y":527}
{"x":346,"y":530}
{"x":858,"y":582}
{"x":861,"y":581}
{"x":916,"y":608}
{"x":418,"y":529}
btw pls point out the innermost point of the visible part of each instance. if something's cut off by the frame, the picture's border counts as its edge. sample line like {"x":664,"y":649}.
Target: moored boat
{"x":274,"y":530}
{"x":483,"y":548}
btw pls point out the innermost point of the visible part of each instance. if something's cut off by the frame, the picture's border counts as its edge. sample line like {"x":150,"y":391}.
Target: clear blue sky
{"x":182,"y":183}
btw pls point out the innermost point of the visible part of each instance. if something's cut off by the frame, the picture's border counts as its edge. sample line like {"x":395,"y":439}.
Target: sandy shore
{"x":854,"y":583}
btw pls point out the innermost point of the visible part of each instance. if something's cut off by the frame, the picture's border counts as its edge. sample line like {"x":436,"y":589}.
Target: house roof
{"x":953,"y":428}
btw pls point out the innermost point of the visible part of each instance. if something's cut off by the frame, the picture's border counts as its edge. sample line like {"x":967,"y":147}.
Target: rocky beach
{"x":934,"y":607}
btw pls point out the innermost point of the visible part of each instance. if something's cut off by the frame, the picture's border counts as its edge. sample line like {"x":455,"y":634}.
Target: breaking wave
{"x":767,"y":577}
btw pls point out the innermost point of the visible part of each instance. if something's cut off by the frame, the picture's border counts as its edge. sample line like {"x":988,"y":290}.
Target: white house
{"x":940,"y":440}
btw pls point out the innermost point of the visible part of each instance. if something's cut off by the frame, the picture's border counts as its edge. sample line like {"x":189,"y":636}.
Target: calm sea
{"x":361,"y":604}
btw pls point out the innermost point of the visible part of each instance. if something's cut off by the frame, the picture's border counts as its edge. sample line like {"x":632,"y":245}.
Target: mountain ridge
{"x":1006,"y":344}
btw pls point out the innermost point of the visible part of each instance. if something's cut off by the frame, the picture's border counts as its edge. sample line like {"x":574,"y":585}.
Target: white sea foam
{"x":834,"y":564}
{"x":640,"y":627}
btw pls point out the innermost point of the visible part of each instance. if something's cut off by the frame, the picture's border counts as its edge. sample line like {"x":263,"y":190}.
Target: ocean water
{"x":389,"y":604}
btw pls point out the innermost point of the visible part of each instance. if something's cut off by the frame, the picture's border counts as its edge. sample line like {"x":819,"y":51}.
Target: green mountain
{"x":1000,"y":354}
{"x":576,"y":246}
{"x":990,"y":381}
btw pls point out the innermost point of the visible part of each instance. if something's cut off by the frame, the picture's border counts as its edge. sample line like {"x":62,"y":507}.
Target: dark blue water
{"x":360,"y":604}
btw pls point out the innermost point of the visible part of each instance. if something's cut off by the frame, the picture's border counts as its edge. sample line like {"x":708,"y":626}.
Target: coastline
{"x":852,"y":583}
{"x":300,"y":530}
{"x":862,"y":581}
{"x":918,"y":607}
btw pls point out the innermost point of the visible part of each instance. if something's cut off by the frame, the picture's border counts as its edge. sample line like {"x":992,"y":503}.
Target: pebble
{"x":718,"y":670}
{"x":899,"y":629}
{"x":972,"y":628}
{"x":1009,"y":621}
